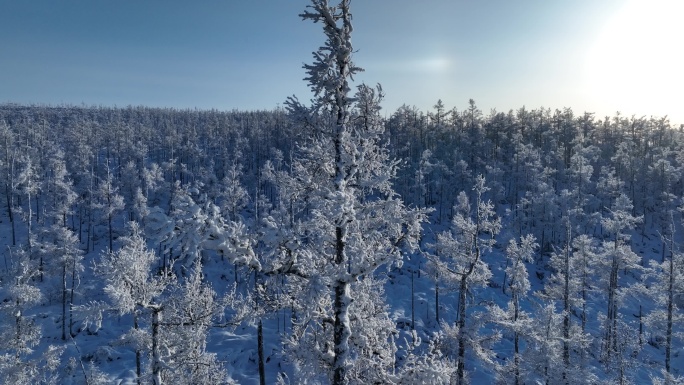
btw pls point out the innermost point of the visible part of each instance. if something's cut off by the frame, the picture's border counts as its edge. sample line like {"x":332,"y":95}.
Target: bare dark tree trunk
{"x":516,"y":340}
{"x":413,"y":301}
{"x":566,"y":308}
{"x":111,"y":233}
{"x":71,"y":294}
{"x":64,"y":301}
{"x":10,"y":212}
{"x":460,"y":368}
{"x":138,"y":353}
{"x":260,"y":343}
{"x":436,"y":301}
{"x":670,"y":310}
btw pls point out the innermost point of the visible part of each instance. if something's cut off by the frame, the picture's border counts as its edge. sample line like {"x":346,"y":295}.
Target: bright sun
{"x":636,"y":65}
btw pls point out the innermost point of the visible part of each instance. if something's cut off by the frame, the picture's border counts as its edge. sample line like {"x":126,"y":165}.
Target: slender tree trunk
{"x":9,"y":191}
{"x":566,"y":311}
{"x":260,"y":334}
{"x":516,"y":340}
{"x":460,"y":368}
{"x":413,"y":300}
{"x":156,"y":348}
{"x":441,"y":200}
{"x":546,"y":367}
{"x":138,"y":355}
{"x":611,"y":319}
{"x":64,"y":301}
{"x":436,"y":298}
{"x":17,"y":320}
{"x":111,"y":234}
{"x":80,"y":224}
{"x":71,"y":299}
{"x":28,"y":225}
{"x":641,"y":326}
{"x":260,"y":348}
{"x":10,"y":212}
{"x":585,"y":280}
{"x":341,"y":332}
{"x":342,"y":297}
{"x":475,"y":254}
{"x":37,"y":208}
{"x":670,"y":309}
{"x":505,"y":278}
{"x":91,"y":228}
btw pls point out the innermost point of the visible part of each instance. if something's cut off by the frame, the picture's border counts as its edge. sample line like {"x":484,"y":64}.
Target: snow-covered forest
{"x":336,"y":242}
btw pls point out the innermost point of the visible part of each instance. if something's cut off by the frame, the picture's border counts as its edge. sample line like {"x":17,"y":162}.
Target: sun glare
{"x":636,"y":64}
{"x":436,"y":64}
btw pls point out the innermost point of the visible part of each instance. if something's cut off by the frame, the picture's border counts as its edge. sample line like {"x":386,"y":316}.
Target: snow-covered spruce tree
{"x":579,"y":173}
{"x":130,"y":185}
{"x":515,"y":319}
{"x":153,"y":178}
{"x":190,"y":227}
{"x":7,"y":163}
{"x":617,"y":257}
{"x":60,"y":193}
{"x":140,"y":209}
{"x":234,"y":196}
{"x":133,"y":288}
{"x":108,"y":202}
{"x":64,"y":257}
{"x":192,"y":308}
{"x":373,"y":334}
{"x":170,"y":318}
{"x":19,"y":332}
{"x":544,"y":353}
{"x":353,"y":221}
{"x":585,"y":251}
{"x":28,"y":183}
{"x":459,"y":258}
{"x":666,"y":291}
{"x":195,"y":224}
{"x":568,"y":287}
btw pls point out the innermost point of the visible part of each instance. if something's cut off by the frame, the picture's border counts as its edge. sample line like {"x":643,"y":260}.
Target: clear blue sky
{"x":248,"y":54}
